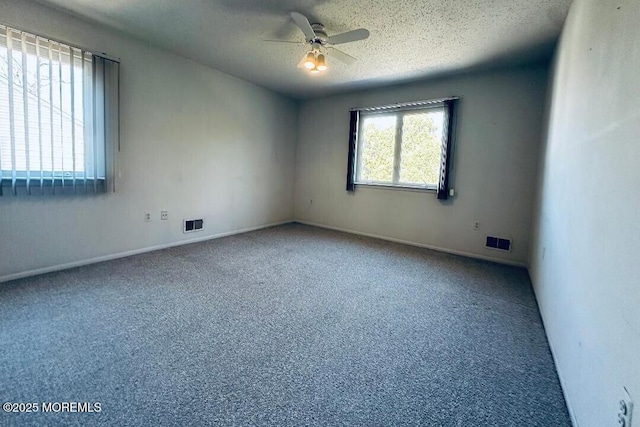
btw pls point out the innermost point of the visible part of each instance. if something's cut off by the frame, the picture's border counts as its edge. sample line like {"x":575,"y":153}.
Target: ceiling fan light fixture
{"x":310,"y":62}
{"x":314,"y":70}
{"x":321,"y":65}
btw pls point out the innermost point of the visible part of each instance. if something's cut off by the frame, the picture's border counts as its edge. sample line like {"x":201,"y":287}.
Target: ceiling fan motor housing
{"x":321,"y":34}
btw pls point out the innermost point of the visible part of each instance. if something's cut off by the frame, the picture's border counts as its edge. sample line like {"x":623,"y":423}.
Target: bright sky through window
{"x":54,"y":131}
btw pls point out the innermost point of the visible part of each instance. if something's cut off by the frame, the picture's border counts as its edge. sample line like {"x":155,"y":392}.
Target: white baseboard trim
{"x":420,"y":245}
{"x":110,"y":257}
{"x":124,"y":254}
{"x":572,"y":414}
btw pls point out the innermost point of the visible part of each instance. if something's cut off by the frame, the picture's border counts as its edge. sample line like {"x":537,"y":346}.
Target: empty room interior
{"x":321,"y":212}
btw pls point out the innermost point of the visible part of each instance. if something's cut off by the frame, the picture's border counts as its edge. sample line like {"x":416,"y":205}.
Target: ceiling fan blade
{"x":349,"y":36}
{"x":341,"y":56}
{"x":302,"y":22}
{"x":282,"y":41}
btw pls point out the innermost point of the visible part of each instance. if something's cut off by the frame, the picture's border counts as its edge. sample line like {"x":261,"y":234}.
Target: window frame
{"x":441,"y":188}
{"x":397,"y":149}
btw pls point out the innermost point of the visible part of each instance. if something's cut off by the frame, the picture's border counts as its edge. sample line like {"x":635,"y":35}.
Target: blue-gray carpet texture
{"x":287,"y":326}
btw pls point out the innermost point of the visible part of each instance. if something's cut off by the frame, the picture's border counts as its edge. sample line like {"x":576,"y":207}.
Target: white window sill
{"x":397,"y":187}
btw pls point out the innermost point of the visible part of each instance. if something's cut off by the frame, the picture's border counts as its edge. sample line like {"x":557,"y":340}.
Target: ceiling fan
{"x":320,"y":44}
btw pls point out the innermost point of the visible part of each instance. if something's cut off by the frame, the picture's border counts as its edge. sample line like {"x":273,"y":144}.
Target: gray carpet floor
{"x":287,"y":326}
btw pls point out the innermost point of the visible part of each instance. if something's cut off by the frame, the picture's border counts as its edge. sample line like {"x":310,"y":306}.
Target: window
{"x":403,"y":145}
{"x":58,"y":116}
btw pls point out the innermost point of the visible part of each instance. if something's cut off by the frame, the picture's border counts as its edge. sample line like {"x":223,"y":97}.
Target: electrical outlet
{"x":476,"y":225}
{"x":147,"y":217}
{"x":164,"y":215}
{"x":625,"y":410}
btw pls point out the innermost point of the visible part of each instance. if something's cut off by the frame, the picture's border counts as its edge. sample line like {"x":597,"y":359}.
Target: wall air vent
{"x":191,"y":225}
{"x":498,"y":243}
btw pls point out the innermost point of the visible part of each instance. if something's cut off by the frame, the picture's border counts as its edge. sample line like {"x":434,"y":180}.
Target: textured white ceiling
{"x":410,"y":39}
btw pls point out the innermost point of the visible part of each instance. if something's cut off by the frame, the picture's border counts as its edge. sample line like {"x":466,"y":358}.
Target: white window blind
{"x":58,"y":116}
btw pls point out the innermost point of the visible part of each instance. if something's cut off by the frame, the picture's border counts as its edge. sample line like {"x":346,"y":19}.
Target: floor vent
{"x":191,"y":225}
{"x":498,"y":243}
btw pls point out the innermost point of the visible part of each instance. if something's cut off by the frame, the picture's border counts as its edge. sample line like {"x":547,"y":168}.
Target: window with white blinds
{"x":58,"y":116}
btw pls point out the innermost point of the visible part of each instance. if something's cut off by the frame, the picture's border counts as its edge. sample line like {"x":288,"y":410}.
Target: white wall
{"x":195,"y":142}
{"x":585,"y":260}
{"x":498,"y":134}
